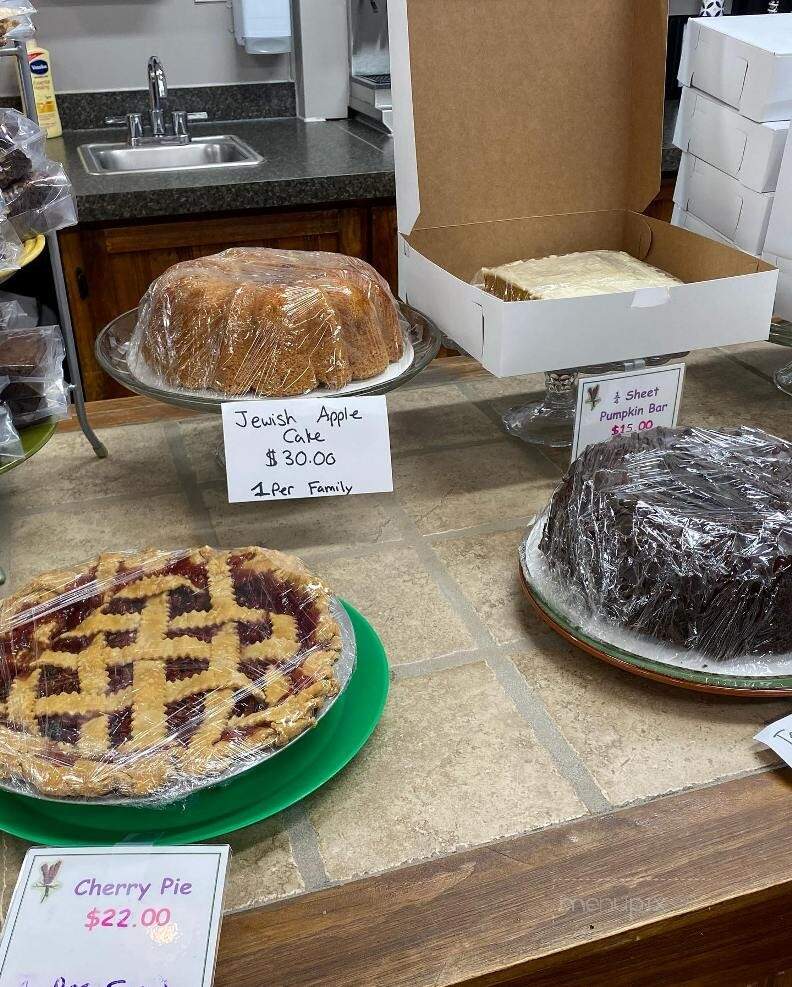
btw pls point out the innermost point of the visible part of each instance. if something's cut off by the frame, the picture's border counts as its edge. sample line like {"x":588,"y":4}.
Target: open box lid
{"x":516,"y":108}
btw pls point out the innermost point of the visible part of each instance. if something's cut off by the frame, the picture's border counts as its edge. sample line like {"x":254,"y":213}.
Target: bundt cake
{"x":681,"y":534}
{"x":275,"y":323}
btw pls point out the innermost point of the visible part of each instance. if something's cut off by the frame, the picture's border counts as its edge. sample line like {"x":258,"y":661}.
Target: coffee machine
{"x":369,"y":60}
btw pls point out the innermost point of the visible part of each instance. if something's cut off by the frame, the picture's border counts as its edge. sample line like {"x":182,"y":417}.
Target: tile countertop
{"x":494,"y":726}
{"x":304,"y":164}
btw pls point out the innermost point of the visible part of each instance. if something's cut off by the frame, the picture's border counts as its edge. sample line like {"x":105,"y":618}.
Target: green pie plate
{"x":250,"y":797}
{"x":33,"y":438}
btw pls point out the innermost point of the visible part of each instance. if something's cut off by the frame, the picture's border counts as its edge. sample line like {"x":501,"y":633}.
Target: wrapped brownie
{"x":40,"y":203}
{"x":21,"y":147}
{"x":31,"y":374}
{"x":34,"y":352}
{"x":33,"y":399}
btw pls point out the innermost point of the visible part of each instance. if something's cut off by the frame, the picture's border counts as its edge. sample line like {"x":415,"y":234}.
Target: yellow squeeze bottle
{"x":43,"y":88}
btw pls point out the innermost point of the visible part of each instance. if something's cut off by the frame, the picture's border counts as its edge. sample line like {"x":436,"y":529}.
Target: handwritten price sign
{"x":115,"y":917}
{"x":621,"y":403}
{"x":125,"y":918}
{"x":306,"y":448}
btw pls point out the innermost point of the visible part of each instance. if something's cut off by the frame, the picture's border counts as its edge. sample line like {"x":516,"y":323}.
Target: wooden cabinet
{"x":109,"y":267}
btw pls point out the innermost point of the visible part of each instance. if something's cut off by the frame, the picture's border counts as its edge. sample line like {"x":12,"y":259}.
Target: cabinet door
{"x":108,"y":269}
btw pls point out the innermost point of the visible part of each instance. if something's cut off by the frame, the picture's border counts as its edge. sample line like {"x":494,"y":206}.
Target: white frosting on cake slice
{"x":591,"y":272}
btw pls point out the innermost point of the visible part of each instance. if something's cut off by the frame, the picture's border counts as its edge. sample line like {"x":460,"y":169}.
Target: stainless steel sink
{"x":225,"y":151}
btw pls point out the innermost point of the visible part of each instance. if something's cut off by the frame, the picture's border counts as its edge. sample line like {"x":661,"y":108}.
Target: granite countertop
{"x":304,"y":164}
{"x":494,"y":725}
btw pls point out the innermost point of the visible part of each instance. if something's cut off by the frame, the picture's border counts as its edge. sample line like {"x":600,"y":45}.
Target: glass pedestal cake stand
{"x":551,"y":421}
{"x":112,"y":349}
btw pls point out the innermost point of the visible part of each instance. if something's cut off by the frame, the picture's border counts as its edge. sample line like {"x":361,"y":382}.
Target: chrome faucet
{"x":166,"y":128}
{"x":158,"y":96}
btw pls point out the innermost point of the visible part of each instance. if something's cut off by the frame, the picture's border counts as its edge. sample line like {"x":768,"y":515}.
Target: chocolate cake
{"x":681,"y":534}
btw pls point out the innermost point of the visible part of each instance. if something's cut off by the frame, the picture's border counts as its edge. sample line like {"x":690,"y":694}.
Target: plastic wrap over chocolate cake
{"x":682,"y":534}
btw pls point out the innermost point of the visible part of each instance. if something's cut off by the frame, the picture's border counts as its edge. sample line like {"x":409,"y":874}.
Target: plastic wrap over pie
{"x":684,"y":535}
{"x":141,"y":675}
{"x":266,"y":322}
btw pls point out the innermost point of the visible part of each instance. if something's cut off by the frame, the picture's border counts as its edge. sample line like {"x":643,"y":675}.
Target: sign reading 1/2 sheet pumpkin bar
{"x":306,"y":447}
{"x":630,"y":401}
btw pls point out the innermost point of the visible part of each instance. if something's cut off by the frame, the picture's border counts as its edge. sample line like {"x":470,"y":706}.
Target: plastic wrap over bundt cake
{"x":274,"y":323}
{"x":681,"y":534}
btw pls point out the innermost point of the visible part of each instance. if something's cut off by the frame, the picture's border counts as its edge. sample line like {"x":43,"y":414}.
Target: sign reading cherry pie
{"x":140,"y":676}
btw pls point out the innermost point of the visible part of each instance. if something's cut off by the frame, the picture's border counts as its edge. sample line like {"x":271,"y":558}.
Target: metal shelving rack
{"x":17,"y":50}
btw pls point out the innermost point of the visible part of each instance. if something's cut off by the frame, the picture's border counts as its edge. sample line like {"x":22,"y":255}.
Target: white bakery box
{"x":783,"y":301}
{"x":717,"y":133}
{"x":687,"y":221}
{"x":779,"y":230}
{"x":723,"y":203}
{"x":525,"y":128}
{"x":745,"y":62}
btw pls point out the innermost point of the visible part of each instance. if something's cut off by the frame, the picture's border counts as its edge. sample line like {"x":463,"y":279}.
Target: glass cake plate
{"x":551,"y":421}
{"x":422,"y":337}
{"x":638,"y":653}
{"x":344,"y":669}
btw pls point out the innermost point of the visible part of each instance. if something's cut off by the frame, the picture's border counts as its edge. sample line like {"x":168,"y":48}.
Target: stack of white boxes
{"x":733,"y":126}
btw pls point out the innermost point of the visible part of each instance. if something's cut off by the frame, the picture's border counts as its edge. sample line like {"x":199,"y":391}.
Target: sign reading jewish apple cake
{"x":305,"y":447}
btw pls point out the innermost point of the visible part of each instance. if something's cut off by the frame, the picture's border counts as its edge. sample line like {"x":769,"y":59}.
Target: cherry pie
{"x":139,"y":674}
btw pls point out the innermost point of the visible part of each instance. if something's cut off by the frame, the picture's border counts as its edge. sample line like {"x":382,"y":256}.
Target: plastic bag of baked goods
{"x":10,"y":245}
{"x":31,"y":364}
{"x":15,"y":22}
{"x":10,"y":443}
{"x":139,"y":678}
{"x":21,"y":146}
{"x":675,"y":545}
{"x":41,"y":203}
{"x":266,"y":322}
{"x":13,"y":316}
{"x":30,"y":352}
{"x":34,"y":399}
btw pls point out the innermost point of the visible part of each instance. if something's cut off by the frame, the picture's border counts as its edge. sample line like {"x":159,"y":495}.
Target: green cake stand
{"x":250,"y":797}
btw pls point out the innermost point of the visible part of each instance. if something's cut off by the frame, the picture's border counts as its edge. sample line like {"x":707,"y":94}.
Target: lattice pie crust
{"x":139,"y":674}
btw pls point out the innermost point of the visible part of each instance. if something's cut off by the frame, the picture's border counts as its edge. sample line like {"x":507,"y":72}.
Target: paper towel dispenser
{"x":263,"y":27}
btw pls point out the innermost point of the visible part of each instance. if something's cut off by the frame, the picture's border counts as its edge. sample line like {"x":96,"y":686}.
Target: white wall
{"x":104,"y":44}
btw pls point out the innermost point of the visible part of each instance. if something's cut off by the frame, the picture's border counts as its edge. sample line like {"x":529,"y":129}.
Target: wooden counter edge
{"x":691,"y":888}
